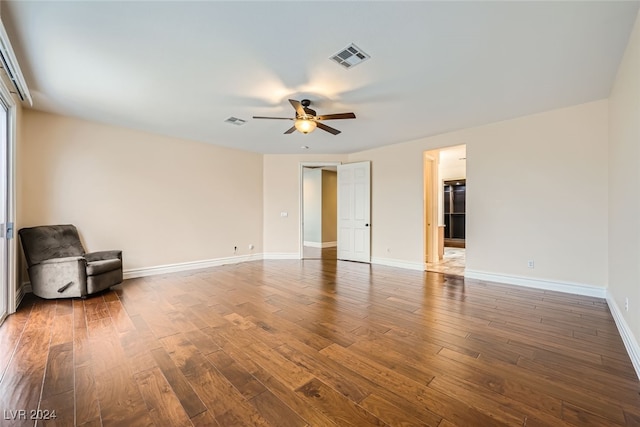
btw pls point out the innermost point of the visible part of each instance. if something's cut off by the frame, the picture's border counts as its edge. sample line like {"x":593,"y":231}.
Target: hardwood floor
{"x":316,"y":342}
{"x":309,"y":252}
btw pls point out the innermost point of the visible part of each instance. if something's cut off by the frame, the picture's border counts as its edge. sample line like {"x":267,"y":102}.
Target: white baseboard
{"x":567,"y":287}
{"x":320,"y":245}
{"x":389,"y":262}
{"x":630,"y":342}
{"x":21,"y":292}
{"x":187,"y":266}
{"x":281,"y":255}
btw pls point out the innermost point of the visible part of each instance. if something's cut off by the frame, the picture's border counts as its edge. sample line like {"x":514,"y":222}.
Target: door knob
{"x":366,"y":225}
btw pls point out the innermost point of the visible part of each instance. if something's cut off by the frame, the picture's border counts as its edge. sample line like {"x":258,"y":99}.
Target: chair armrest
{"x":61,"y":260}
{"x":59,"y":277}
{"x":103,"y":255}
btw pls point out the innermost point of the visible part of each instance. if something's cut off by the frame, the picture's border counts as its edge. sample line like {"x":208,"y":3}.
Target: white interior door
{"x":354,"y":212}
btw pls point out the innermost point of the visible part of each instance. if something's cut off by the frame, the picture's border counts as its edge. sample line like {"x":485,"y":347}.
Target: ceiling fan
{"x":306,"y":119}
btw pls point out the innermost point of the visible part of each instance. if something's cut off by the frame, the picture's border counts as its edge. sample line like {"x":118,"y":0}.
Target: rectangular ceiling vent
{"x":235,"y":121}
{"x":350,"y":56}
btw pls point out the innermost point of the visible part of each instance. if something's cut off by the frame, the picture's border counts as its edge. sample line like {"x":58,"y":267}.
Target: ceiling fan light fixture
{"x":306,"y":120}
{"x":305,"y":125}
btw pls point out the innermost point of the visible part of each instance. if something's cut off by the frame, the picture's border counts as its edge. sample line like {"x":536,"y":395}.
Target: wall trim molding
{"x":389,"y":262}
{"x":187,"y":266}
{"x":320,"y":245}
{"x":630,"y":342}
{"x":21,"y":292}
{"x":549,"y":285}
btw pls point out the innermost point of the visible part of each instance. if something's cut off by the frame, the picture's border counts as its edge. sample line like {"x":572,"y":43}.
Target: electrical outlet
{"x":530,"y":264}
{"x":626,"y":304}
{"x":251,"y":247}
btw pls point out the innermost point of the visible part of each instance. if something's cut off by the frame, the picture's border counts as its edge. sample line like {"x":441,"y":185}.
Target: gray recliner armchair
{"x":59,"y":267}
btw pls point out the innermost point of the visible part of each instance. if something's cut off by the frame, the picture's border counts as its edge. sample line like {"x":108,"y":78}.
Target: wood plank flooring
{"x":309,"y":252}
{"x":316,"y":343}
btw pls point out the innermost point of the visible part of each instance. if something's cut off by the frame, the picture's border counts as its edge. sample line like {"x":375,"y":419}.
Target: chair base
{"x":103,"y":281}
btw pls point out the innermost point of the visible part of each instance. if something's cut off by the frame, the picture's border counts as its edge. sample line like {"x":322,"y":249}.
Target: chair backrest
{"x":50,"y":241}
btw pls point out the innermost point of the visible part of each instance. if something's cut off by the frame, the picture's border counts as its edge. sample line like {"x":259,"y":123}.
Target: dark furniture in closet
{"x":454,"y":212}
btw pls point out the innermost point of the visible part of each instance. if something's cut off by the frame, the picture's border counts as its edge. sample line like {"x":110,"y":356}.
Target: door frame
{"x":430,"y":206}
{"x":301,"y":198}
{"x":11,"y":273}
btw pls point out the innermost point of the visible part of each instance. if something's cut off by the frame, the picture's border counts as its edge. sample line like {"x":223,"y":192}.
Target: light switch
{"x":284,"y":214}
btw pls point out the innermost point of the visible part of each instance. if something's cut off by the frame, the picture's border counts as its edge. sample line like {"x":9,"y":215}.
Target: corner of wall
{"x":629,"y":340}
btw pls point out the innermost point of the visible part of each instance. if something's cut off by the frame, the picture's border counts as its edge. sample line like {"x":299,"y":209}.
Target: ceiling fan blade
{"x":336,"y":116}
{"x":274,"y":118}
{"x":327,"y":128}
{"x":290,"y":130}
{"x":298,"y":106}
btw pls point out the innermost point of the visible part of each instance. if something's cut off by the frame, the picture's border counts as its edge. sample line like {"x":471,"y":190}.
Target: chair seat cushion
{"x":98,"y":267}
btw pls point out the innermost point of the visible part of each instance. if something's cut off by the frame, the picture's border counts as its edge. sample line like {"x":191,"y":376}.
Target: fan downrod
{"x":305,"y":102}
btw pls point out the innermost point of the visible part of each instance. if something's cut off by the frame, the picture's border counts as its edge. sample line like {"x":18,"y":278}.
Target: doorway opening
{"x":319,"y":211}
{"x":445,"y":175}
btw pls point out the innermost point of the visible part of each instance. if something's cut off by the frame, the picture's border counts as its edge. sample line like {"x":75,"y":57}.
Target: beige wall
{"x":536,"y":189}
{"x":161,"y":200}
{"x":329,"y":206}
{"x":282,"y":194}
{"x":624,"y":184}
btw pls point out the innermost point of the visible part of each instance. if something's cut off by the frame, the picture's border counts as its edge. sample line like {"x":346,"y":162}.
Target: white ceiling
{"x":182,"y":68}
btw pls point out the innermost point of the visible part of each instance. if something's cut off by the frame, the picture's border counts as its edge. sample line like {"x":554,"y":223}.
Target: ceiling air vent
{"x":235,"y":121}
{"x":350,"y":56}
